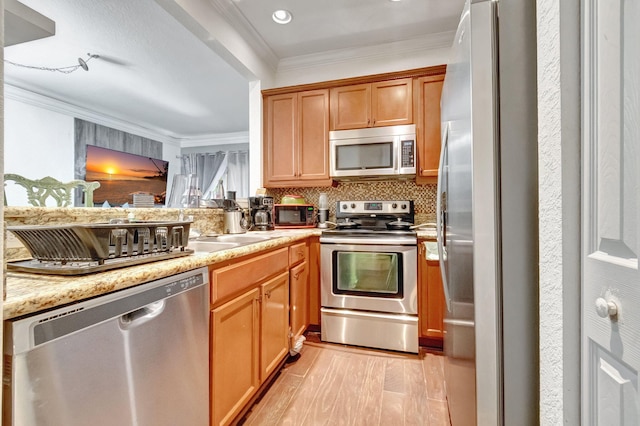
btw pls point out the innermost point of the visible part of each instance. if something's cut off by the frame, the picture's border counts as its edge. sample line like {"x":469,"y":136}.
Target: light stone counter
{"x":426,"y":234}
{"x":30,"y":293}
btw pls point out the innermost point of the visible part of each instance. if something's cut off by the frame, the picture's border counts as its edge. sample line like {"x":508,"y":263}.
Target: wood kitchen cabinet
{"x":383,"y":103}
{"x":249,"y":329}
{"x":274,"y":324}
{"x":299,"y":289}
{"x":314,"y":281}
{"x":431,"y":303}
{"x":235,"y":355}
{"x":428,"y":139}
{"x":296,"y":139}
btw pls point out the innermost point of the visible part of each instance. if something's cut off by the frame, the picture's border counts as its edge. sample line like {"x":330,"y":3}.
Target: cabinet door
{"x":428,"y":127}
{"x":314,"y":280}
{"x":299,"y":298}
{"x":431,"y":300}
{"x":435,"y":301}
{"x":279,"y":149}
{"x":351,"y":107}
{"x":392,"y":102}
{"x":235,"y":329}
{"x":274,"y":332}
{"x":313,"y":135}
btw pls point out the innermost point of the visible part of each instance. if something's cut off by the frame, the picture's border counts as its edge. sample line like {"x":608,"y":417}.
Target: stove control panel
{"x":376,"y":207}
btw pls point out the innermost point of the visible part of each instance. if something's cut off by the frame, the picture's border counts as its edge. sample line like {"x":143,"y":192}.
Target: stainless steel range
{"x":369,"y":291}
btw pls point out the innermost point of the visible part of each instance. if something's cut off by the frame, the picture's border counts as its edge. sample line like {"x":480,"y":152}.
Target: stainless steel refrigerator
{"x":487,"y":216}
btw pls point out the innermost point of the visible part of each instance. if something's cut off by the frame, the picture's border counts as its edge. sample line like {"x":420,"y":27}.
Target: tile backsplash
{"x":424,"y":196}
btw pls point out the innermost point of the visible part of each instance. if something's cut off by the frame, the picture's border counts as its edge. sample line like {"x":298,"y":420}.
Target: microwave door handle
{"x":441,"y":217}
{"x":396,"y":153}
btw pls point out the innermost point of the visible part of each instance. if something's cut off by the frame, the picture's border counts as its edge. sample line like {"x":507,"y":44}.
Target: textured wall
{"x":550,"y":212}
{"x":559,"y":209}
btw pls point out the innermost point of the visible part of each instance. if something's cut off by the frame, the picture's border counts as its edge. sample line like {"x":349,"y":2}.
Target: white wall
{"x":38,"y":143}
{"x":39,"y":140}
{"x":347,"y":63}
{"x":559,"y":209}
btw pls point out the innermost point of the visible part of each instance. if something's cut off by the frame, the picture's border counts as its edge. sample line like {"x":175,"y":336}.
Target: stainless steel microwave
{"x":374,"y":152}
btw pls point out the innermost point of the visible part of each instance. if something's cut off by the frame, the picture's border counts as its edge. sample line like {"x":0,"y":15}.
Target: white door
{"x":611,"y":212}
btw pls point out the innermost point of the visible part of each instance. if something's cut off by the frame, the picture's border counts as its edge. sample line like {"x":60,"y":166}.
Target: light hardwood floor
{"x":339,"y":385}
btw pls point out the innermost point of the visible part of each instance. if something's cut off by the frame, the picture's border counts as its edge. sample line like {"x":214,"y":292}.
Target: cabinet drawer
{"x":297,"y":253}
{"x":233,"y":279}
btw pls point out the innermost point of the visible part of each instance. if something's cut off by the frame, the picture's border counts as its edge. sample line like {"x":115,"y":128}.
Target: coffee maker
{"x":261,"y":208}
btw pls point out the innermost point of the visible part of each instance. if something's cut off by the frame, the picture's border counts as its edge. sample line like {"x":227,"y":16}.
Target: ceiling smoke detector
{"x":282,"y":16}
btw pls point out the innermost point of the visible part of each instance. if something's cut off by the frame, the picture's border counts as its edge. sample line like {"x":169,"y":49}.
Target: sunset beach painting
{"x":122,"y":174}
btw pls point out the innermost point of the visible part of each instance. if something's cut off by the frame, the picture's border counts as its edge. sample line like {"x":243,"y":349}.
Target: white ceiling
{"x":155,"y":73}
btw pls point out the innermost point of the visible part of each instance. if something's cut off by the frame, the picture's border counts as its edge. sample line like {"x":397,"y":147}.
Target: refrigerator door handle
{"x":441,"y":221}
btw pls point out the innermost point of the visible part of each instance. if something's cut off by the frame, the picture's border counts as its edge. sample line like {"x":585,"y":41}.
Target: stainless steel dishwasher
{"x":138,"y":356}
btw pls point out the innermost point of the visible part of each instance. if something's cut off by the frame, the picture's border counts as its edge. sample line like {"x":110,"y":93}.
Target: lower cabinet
{"x":314,"y":281}
{"x":249,"y":329}
{"x":299,"y":287}
{"x":431,"y":303}
{"x":235,"y":355}
{"x":274,"y":324}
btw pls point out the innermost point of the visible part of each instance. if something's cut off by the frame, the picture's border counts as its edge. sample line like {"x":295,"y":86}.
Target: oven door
{"x":370,"y":277}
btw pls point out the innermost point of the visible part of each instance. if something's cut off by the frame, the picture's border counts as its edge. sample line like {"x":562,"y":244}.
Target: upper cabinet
{"x":297,"y":121}
{"x":383,"y":103}
{"x":296,"y":139}
{"x":427,"y":108}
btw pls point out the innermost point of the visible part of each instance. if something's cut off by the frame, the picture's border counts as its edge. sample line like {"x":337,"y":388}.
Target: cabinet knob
{"x":606,"y":308}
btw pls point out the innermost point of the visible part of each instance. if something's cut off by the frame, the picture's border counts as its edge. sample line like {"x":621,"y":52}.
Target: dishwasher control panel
{"x":184,"y":284}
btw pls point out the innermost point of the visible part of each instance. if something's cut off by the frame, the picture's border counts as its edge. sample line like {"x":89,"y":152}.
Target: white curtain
{"x":219,"y":172}
{"x":238,"y":173}
{"x":209,"y":168}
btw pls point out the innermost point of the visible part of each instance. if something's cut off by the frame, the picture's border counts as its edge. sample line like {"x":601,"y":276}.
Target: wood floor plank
{"x":301,"y":367}
{"x":394,"y":376}
{"x":345,"y":385}
{"x":302,"y":400}
{"x":392,"y":412}
{"x":434,"y":375}
{"x":415,"y":407}
{"x":438,"y":413}
{"x":371,"y":399}
{"x":326,"y":398}
{"x":269,"y":410}
{"x":345,"y":409}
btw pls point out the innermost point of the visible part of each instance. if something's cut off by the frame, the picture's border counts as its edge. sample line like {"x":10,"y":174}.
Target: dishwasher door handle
{"x":142,"y":315}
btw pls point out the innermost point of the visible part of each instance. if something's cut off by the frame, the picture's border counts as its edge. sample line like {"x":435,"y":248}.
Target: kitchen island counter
{"x":30,"y":293}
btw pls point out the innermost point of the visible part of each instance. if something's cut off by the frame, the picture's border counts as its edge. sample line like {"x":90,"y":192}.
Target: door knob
{"x":606,"y":308}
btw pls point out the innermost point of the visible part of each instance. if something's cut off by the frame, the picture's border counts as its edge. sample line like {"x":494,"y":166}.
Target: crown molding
{"x":52,"y":104}
{"x":65,"y":108}
{"x":231,"y":14}
{"x":367,"y":53}
{"x":215,"y":139}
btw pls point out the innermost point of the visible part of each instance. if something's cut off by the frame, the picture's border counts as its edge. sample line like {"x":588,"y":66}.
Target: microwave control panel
{"x":408,"y":153}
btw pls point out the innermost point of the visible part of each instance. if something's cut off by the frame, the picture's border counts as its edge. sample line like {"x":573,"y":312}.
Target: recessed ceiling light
{"x":394,"y":1}
{"x":282,"y":16}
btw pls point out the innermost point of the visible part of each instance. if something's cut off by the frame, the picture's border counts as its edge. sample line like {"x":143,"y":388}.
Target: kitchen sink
{"x":205,"y":246}
{"x":238,"y":238}
{"x":210,"y":244}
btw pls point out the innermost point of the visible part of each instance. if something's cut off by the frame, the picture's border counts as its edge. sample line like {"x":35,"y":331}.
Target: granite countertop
{"x":426,"y":233}
{"x":30,"y":293}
